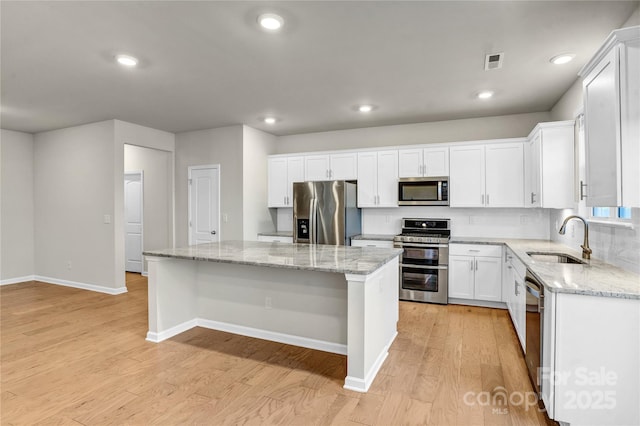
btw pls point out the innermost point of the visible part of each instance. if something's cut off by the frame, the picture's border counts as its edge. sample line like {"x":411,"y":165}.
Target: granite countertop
{"x":277,"y":234}
{"x":379,"y":237}
{"x":314,"y":257}
{"x":594,"y":278}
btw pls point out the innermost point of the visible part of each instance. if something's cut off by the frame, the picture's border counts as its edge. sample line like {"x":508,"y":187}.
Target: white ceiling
{"x":206,"y":64}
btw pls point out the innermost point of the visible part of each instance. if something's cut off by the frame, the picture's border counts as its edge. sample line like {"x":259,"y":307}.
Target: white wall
{"x":134,"y":134}
{"x":16,"y":205}
{"x":212,"y":146}
{"x":634,"y":19}
{"x":506,"y":126}
{"x":157,"y":168}
{"x":75,"y":173}
{"x":257,"y":145}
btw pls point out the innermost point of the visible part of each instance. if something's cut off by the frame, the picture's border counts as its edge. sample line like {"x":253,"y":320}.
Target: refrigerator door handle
{"x":313,"y":206}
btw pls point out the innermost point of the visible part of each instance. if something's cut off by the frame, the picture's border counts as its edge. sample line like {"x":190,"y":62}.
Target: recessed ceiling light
{"x":127,"y":61}
{"x":485,"y":94}
{"x":562,"y":59}
{"x":366,"y":108}
{"x":270,"y":21}
{"x":270,"y":120}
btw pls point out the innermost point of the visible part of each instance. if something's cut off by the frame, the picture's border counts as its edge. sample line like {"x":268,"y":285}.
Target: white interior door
{"x":204,"y":204}
{"x":133,"y":214}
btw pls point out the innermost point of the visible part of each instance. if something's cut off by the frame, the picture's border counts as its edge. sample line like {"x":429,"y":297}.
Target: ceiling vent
{"x":493,"y":61}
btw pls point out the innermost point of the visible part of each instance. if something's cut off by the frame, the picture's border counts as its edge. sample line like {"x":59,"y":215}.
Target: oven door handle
{"x":417,"y":245}
{"x":404,"y":265}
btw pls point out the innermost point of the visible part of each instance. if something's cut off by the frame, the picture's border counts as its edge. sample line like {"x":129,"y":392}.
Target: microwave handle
{"x":439,"y":190}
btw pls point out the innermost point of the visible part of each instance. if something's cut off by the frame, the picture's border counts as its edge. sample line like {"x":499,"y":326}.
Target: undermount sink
{"x":552,"y":257}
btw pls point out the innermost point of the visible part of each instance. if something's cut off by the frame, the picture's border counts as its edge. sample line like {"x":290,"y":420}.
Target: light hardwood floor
{"x":77,"y":357}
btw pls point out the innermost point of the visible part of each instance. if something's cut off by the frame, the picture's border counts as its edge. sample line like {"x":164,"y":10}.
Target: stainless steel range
{"x":424,"y":265}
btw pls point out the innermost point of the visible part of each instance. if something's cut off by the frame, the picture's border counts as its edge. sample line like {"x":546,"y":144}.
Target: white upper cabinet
{"x":316,"y":167}
{"x":611,"y":90}
{"x":342,"y":166}
{"x":423,"y":162}
{"x":550,"y":166}
{"x":282,"y":172}
{"x":378,"y":179}
{"x":466,"y":180}
{"x":436,"y":161}
{"x":489,"y":175}
{"x":504,"y":165}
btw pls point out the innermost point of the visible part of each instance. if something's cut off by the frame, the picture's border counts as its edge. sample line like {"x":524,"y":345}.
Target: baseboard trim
{"x":83,"y":286}
{"x":144,"y":273}
{"x":173,"y":331}
{"x":478,"y":303}
{"x":363,"y":385}
{"x":274,"y":336}
{"x":17,"y":280}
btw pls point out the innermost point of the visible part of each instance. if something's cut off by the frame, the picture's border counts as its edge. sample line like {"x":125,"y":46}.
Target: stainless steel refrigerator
{"x":325,"y":213}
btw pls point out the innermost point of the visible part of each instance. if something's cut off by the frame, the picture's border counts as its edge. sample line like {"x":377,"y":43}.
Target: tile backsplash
{"x":493,"y":223}
{"x":617,"y":245}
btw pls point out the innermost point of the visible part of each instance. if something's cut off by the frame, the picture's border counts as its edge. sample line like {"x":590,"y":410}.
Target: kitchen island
{"x":331,"y":298}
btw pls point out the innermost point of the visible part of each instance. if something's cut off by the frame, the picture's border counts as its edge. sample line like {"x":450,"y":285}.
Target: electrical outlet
{"x":68,"y":264}
{"x":524,"y":219}
{"x":107,"y":219}
{"x":387,"y":218}
{"x":267,"y":303}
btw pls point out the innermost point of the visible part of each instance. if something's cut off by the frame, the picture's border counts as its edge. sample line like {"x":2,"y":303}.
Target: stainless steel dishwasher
{"x":534,"y":329}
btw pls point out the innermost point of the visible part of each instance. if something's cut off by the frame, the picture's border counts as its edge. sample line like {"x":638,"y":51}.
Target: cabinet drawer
{"x":483,"y":250}
{"x":275,"y":239}
{"x":372,"y":243}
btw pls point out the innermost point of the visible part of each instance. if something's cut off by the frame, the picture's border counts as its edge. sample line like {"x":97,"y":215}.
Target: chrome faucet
{"x":586,"y":251}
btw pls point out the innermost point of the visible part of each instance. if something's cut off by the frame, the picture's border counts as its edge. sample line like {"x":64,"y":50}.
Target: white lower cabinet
{"x":590,"y":359}
{"x":514,"y":293}
{"x":475,"y":272}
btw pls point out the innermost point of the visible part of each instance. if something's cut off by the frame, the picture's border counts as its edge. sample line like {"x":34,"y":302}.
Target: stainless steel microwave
{"x":433,"y":191}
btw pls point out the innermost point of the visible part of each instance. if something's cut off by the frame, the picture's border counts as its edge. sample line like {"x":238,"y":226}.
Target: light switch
{"x":225,"y":218}
{"x":107,"y":218}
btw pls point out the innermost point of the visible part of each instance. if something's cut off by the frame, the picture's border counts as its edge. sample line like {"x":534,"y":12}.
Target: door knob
{"x":213,"y":232}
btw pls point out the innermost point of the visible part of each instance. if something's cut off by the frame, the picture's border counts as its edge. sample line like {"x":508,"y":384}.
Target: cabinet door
{"x":277,"y":182}
{"x":410,"y":163}
{"x":295,"y":173}
{"x":466,"y":181}
{"x":344,"y":166}
{"x":504,"y":175}
{"x":387,"y":178}
{"x":461,"y":273}
{"x":601,"y":116}
{"x":367,"y":179}
{"x":316,"y":167}
{"x":488,"y":280}
{"x":436,"y":162}
{"x":507,"y":285}
{"x":533,"y":194}
{"x":520,"y":295}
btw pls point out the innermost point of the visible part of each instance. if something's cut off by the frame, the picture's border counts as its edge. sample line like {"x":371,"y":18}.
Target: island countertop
{"x":314,"y":257}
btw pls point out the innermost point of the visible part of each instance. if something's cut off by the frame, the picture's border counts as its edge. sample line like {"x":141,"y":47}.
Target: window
{"x":611,"y":212}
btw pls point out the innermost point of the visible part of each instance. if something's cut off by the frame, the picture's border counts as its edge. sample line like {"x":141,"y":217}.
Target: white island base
{"x":350,"y":314}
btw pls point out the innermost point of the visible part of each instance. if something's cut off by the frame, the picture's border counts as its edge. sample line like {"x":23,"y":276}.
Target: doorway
{"x":204,"y":204}
{"x":133,"y":220}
